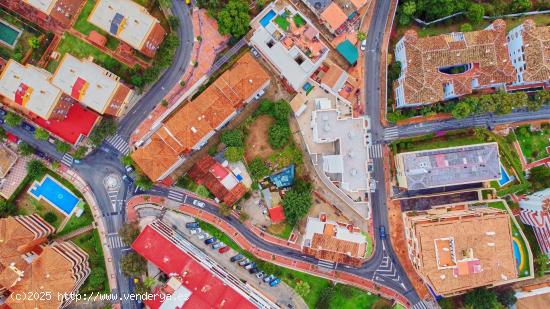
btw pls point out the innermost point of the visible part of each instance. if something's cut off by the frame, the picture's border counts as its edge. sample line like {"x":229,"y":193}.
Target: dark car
{"x":3,"y":112}
{"x":40,"y":154}
{"x":28,"y":127}
{"x":382,"y":231}
{"x":236,"y":258}
{"x":191,"y":225}
{"x":254,"y":270}
{"x":210,"y":240}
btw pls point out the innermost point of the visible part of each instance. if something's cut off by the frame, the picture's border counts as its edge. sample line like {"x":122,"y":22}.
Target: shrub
{"x":50,"y":217}
{"x":279,"y":134}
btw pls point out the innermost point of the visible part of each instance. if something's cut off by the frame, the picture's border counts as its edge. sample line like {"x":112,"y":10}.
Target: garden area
{"x":32,"y":40}
{"x":187,"y":183}
{"x":83,"y":26}
{"x":97,"y":281}
{"x":316,"y":292}
{"x":534,"y":144}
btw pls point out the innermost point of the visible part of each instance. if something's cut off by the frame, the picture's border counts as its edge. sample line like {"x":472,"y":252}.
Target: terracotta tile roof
{"x":536,"y":41}
{"x":156,"y":156}
{"x":332,"y":75}
{"x":334,"y":16}
{"x":153,"y":41}
{"x":197,"y":120}
{"x":7,"y":160}
{"x":480,"y":240}
{"x":486,"y":50}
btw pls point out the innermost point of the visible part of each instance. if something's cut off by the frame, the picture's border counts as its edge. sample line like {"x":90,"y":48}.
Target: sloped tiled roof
{"x":536,"y":42}
{"x":155,"y":158}
{"x":486,"y":50}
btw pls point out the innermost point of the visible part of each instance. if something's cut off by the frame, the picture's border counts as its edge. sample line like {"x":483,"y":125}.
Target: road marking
{"x":119,"y":144}
{"x":116,"y":242}
{"x":175,"y":195}
{"x":325,"y":264}
{"x":376,"y":151}
{"x":67,"y":160}
{"x":391,"y":133}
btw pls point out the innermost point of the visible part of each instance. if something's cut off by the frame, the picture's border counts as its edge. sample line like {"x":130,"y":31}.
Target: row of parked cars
{"x":194,"y":229}
{"x":252,"y":269}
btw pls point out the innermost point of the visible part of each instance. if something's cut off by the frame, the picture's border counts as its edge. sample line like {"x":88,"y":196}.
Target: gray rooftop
{"x":448,"y":166}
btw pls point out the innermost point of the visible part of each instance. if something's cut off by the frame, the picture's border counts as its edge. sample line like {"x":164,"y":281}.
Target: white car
{"x":193,"y":231}
{"x":364,"y":45}
{"x":198,"y":203}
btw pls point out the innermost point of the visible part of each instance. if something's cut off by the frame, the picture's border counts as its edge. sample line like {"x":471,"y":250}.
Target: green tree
{"x":225,"y":210}
{"x":233,"y":138}
{"x":461,"y":110}
{"x":280,"y":110}
{"x":62,"y":146}
{"x":97,"y":279}
{"x":302,"y":288}
{"x":234,"y":154}
{"x":520,"y":5}
{"x":41,"y":134}
{"x":481,"y":298}
{"x":35,"y":169}
{"x":25,"y":149}
{"x":144,"y":182}
{"x":174,"y":22}
{"x":258,"y":169}
{"x":6,"y":209}
{"x":2,"y":134}
{"x":127,"y":160}
{"x":234,"y":18}
{"x":475,"y":13}
{"x":404,"y":20}
{"x":506,"y":296}
{"x":133,"y":264}
{"x":243,"y":216}
{"x":12,"y":120}
{"x":80,"y":152}
{"x":409,"y":8}
{"x":466,"y":27}
{"x":128,"y":233}
{"x":279,"y":134}
{"x":361,"y":36}
{"x":104,"y":129}
{"x":149,"y":282}
{"x":34,"y":42}
{"x":50,"y":217}
{"x":541,"y":264}
{"x":296,"y":205}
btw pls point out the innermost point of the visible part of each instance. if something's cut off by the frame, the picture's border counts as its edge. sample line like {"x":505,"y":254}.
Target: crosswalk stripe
{"x":67,"y":159}
{"x":175,"y":195}
{"x":116,"y":242}
{"x":119,"y":144}
{"x":375,"y":151}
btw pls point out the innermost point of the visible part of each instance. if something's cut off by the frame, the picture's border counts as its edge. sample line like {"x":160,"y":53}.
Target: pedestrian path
{"x":67,"y":160}
{"x":119,"y":144}
{"x":391,"y":133}
{"x":176,"y":196}
{"x":376,"y":151}
{"x":115,"y":241}
{"x":325,"y":264}
{"x":420,"y":305}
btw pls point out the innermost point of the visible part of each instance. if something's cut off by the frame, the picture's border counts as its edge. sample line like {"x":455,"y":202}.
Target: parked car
{"x":237,"y":257}
{"x":191,"y":225}
{"x":129,"y":168}
{"x":218,"y":245}
{"x":260,"y":275}
{"x":193,"y":231}
{"x":269,"y":278}
{"x":27,"y":127}
{"x":274,"y":282}
{"x":255,"y":52}
{"x":198,"y":203}
{"x":223,"y":249}
{"x":201,"y":236}
{"x":250,"y":266}
{"x":210,"y":240}
{"x":244,"y":262}
{"x":40,"y":154}
{"x":199,"y":230}
{"x":51,"y":140}
{"x":3,"y":112}
{"x":382,"y":231}
{"x":363,"y":45}
{"x":253,"y":270}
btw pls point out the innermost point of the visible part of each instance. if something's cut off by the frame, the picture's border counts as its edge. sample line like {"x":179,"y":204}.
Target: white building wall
{"x":516,"y":53}
{"x":401,"y":56}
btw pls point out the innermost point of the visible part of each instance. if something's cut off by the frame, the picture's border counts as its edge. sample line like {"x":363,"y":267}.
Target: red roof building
{"x":277,"y":214}
{"x":219,"y":180}
{"x":96,"y":38}
{"x":191,"y":285}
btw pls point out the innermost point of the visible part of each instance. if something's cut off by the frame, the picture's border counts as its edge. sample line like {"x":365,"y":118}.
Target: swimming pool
{"x":55,"y":194}
{"x":267,"y":18}
{"x":504,"y":178}
{"x":8,"y":34}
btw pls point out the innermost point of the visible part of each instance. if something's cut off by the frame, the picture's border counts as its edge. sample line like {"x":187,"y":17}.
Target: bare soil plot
{"x":256,"y":144}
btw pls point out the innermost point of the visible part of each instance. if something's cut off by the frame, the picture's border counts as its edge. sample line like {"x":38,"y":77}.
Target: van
{"x":210,"y":240}
{"x":191,"y":225}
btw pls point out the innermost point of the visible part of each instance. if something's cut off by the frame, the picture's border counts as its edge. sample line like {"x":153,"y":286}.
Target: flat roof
{"x":448,"y":166}
{"x":480,"y":240}
{"x":207,"y":290}
{"x":334,"y":16}
{"x":42,"y":5}
{"x":86,"y":82}
{"x":29,"y":87}
{"x":123,"y":19}
{"x":350,"y":134}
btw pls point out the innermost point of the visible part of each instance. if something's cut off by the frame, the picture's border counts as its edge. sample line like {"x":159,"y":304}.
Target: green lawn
{"x":368,"y":252}
{"x":78,"y":222}
{"x":282,"y":230}
{"x":450,"y":139}
{"x":83,"y":26}
{"x":97,"y":281}
{"x":282,"y":22}
{"x":298,"y":20}
{"x":318,"y":286}
{"x":80,"y":49}
{"x":533,"y":144}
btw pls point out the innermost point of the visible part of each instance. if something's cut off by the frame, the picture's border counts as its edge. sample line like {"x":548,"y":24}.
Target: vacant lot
{"x":256,"y":144}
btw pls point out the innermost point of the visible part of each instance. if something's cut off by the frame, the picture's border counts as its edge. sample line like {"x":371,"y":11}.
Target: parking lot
{"x":282,"y":294}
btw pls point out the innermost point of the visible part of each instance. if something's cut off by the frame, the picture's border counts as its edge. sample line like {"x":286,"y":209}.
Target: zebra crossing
{"x":176,"y":196}
{"x":119,"y":144}
{"x":325,"y":264}
{"x":387,"y":271}
{"x":115,"y":241}
{"x":376,"y":151}
{"x":391,"y":133}
{"x":420,"y":305}
{"x":67,"y":160}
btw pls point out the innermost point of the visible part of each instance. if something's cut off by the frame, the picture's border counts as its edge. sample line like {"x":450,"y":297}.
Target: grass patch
{"x":187,"y":183}
{"x":370,"y":248}
{"x":348,"y":297}
{"x":533,"y":144}
{"x":282,"y":230}
{"x":290,"y":154}
{"x":80,"y":49}
{"x":83,"y":26}
{"x":97,"y":281}
{"x":75,"y":222}
{"x":430,"y":141}
{"x":282,"y":22}
{"x":298,"y":20}
{"x":28,"y":205}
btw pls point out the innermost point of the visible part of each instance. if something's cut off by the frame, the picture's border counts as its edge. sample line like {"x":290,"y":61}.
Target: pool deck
{"x":19,"y":33}
{"x":42,"y":197}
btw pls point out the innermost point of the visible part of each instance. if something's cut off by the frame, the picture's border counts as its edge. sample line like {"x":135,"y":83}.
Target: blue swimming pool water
{"x":504,"y":178}
{"x":267,"y":18}
{"x":517,"y":254}
{"x":55,"y":194}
